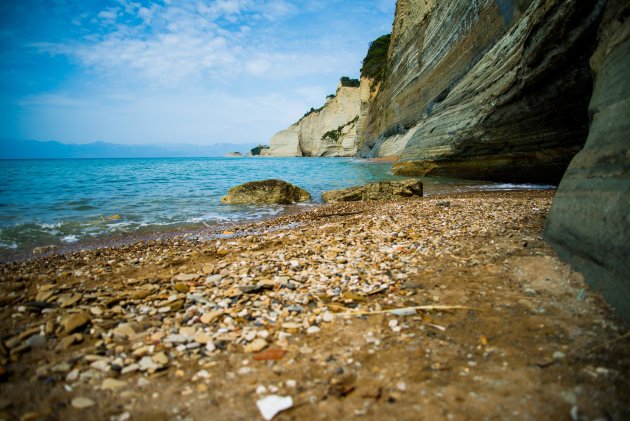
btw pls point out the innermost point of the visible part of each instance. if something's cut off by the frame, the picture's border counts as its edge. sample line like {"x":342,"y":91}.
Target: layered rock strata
{"x":330,"y":131}
{"x":589,"y":221}
{"x":486,"y":90}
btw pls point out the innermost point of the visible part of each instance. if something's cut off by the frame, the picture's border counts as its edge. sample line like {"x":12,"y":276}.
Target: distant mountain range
{"x":34,"y":149}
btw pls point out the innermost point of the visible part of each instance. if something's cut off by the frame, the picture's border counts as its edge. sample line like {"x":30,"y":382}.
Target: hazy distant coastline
{"x":34,"y":149}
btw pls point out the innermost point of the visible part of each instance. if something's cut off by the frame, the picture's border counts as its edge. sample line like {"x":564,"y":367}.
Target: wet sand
{"x":445,"y":307}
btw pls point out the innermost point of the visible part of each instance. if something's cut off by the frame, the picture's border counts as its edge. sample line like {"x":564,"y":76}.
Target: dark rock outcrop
{"x":384,"y":190}
{"x":265,"y":192}
{"x":589,"y":222}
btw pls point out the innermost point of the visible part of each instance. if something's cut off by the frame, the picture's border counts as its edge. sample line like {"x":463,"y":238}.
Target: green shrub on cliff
{"x":352,"y":83}
{"x":375,"y":62}
{"x":256,"y":151}
{"x":333,"y":136}
{"x":313,"y":110}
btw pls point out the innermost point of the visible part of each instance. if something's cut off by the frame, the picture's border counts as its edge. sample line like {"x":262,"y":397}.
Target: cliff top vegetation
{"x":375,"y":62}
{"x":350,"y":83}
{"x":258,"y":149}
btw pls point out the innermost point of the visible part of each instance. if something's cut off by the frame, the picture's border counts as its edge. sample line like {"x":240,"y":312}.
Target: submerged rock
{"x":265,"y":192}
{"x":384,"y":190}
{"x":44,"y":249}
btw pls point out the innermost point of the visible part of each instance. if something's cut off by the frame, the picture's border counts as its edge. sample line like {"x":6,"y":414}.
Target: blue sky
{"x":175,"y":71}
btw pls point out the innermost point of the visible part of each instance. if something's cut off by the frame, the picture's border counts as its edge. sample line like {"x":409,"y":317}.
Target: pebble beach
{"x":443,"y":307}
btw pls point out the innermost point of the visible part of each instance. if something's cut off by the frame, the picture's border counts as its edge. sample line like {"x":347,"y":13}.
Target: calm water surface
{"x":60,"y":202}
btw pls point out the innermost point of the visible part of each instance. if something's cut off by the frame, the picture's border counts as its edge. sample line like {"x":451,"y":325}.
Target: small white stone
{"x":328,"y":317}
{"x":101,"y":365}
{"x":96,"y":311}
{"x":130,"y":368}
{"x":112,"y":384}
{"x":256,"y":345}
{"x":559,"y":355}
{"x":147,"y":364}
{"x":313,"y":329}
{"x":82,"y":403}
{"x":72,"y":376}
{"x":244,"y":370}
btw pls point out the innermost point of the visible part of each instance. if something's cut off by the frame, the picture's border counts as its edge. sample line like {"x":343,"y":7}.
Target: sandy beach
{"x":443,"y":307}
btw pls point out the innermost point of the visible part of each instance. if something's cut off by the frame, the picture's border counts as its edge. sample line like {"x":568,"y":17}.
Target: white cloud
{"x":196,"y":71}
{"x":278,"y":8}
{"x":109,"y":15}
{"x":184,"y":42}
{"x":177,"y":41}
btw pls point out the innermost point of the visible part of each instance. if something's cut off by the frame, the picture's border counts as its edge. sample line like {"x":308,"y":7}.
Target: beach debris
{"x":271,"y":405}
{"x":437,"y":327}
{"x":406,"y":311}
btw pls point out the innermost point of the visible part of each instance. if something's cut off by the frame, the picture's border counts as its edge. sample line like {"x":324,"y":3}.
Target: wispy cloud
{"x":178,"y":40}
{"x":134,"y":71}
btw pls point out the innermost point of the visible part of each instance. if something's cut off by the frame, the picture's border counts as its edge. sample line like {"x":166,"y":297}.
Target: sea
{"x":87,"y":202}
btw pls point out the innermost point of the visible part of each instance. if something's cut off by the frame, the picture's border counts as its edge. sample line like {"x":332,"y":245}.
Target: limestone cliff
{"x":485,"y":89}
{"x":329,"y":131}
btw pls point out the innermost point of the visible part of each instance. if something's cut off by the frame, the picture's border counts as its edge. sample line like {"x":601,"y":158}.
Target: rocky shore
{"x":426,"y":308}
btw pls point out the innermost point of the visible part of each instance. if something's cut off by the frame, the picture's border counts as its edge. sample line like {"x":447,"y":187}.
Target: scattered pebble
{"x":82,"y":403}
{"x":113,"y":384}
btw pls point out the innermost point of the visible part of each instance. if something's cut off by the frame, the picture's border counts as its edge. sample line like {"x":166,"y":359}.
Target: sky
{"x":175,"y":71}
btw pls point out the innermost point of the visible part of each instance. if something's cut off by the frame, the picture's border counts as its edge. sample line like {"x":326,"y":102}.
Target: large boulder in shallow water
{"x":266,"y":192}
{"x":384,"y":190}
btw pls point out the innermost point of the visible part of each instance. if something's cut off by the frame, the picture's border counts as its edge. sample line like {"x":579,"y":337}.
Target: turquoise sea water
{"x":62,"y":202}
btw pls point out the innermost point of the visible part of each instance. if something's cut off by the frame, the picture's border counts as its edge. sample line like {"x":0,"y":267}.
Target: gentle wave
{"x":62,"y":202}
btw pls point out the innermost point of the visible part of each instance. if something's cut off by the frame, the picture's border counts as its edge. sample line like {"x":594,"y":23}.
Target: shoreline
{"x":447,"y":305}
{"x":166,"y":232}
{"x":117,"y":240}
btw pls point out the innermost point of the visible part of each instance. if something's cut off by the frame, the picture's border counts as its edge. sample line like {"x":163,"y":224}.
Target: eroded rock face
{"x":385,"y":190}
{"x":589,"y":221}
{"x":338,"y":118}
{"x":486,"y":90}
{"x":265,"y":192}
